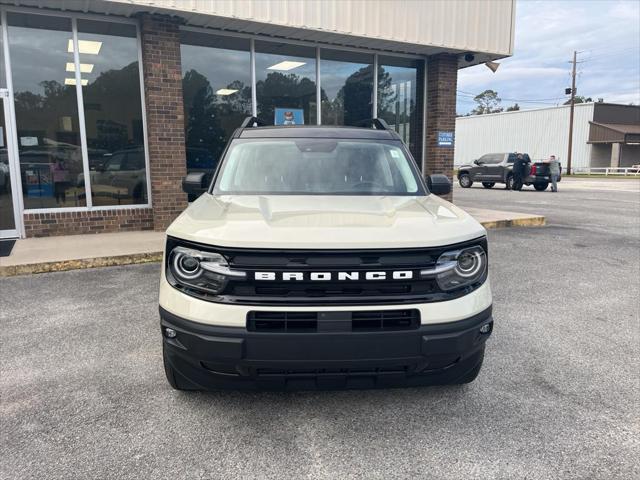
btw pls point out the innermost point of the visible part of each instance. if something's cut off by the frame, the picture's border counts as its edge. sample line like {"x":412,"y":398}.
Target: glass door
{"x":9,"y":212}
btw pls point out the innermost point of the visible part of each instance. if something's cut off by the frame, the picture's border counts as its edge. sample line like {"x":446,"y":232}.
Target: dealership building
{"x":106,"y":104}
{"x":605,"y":135}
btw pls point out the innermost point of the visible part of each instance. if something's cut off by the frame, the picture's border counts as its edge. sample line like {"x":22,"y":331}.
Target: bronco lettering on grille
{"x":328,"y":276}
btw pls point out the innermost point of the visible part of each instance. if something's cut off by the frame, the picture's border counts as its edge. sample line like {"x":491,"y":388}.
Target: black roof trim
{"x":315,"y":131}
{"x":253,"y":127}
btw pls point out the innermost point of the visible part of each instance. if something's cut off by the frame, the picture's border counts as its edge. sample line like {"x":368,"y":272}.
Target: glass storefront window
{"x":286,"y":83}
{"x":216,"y":89}
{"x":397,"y":102}
{"x":46,"y":110}
{"x":346,"y":79}
{"x":110,"y":79}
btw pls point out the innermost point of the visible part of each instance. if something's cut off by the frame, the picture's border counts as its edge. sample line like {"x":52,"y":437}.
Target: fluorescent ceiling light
{"x":72,"y":81}
{"x":226,"y":91}
{"x":85,"y":46}
{"x":84,"y":67}
{"x":286,"y":65}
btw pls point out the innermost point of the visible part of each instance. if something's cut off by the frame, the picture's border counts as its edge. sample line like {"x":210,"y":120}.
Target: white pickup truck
{"x":319,"y":258}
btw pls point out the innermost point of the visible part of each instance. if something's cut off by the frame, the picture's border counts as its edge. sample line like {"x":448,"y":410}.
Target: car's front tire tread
{"x":508,"y":184}
{"x":465,"y":180}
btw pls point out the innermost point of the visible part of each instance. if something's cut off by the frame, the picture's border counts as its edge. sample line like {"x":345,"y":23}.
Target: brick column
{"x":165,"y":116}
{"x":442,"y":79}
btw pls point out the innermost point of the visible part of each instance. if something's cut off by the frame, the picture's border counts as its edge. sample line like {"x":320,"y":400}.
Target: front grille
{"x":281,"y":292}
{"x":306,"y":292}
{"x":385,"y":320}
{"x":334,"y":289}
{"x":282,"y":322}
{"x":358,"y":321}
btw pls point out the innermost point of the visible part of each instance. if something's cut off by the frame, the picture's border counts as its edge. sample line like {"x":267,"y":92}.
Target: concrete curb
{"x":516,"y":222}
{"x":45,"y":267}
{"x":150,"y":257}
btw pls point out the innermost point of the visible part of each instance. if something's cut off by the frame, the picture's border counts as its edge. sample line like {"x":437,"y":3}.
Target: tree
{"x":513,"y":108}
{"x":285,"y":90}
{"x":579,"y":99}
{"x":488,"y":102}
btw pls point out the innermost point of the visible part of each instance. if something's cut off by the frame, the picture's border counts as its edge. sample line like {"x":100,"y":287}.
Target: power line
{"x":614,"y":54}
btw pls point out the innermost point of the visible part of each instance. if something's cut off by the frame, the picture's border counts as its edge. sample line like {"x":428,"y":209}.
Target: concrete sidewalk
{"x":52,"y":254}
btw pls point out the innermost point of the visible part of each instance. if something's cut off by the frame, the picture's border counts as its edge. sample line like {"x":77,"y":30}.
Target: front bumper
{"x":215,"y":357}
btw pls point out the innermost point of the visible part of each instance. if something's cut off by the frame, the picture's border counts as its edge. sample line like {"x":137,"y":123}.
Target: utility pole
{"x":573,"y":98}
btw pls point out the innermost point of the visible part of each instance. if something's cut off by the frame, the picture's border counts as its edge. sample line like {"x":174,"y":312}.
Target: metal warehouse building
{"x":108,"y":103}
{"x":604,"y":135}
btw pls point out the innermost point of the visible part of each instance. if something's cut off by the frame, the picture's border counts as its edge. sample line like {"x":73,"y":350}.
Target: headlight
{"x":206,"y":272}
{"x":459,"y":268}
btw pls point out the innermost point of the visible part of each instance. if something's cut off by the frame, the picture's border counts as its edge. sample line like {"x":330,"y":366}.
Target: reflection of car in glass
{"x":200,"y":160}
{"x":318,"y":258}
{"x":121,"y":174}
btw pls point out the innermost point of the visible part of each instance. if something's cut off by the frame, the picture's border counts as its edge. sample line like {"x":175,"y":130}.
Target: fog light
{"x":486,"y":328}
{"x":170,"y":333}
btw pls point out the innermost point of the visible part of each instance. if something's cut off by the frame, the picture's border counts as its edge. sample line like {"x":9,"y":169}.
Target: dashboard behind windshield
{"x":317,"y":166}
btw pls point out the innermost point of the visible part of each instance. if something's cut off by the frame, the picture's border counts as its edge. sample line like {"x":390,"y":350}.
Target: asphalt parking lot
{"x":83,"y":393}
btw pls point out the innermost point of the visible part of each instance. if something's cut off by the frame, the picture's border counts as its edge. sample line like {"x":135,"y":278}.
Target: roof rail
{"x":252,"y":122}
{"x":377,"y":123}
{"x":248,"y":122}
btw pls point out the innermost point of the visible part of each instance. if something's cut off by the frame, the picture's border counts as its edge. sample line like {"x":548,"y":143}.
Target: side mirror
{"x":477,"y":162}
{"x":439,"y":184}
{"x":195,"y":184}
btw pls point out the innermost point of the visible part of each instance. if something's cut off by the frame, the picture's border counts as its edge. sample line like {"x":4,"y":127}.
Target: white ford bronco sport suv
{"x":318,"y":258}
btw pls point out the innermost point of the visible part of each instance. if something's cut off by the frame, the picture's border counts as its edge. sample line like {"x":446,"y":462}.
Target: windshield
{"x":318,"y":166}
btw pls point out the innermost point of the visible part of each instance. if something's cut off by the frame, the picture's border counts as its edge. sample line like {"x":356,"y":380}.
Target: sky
{"x":606,"y":33}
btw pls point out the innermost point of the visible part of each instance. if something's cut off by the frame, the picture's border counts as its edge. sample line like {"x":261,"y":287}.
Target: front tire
{"x":488,"y":184}
{"x":509,"y":183}
{"x":465,"y":180}
{"x":541,"y":187}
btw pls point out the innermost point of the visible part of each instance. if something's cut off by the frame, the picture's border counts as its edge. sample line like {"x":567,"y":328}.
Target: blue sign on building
{"x":445,"y":139}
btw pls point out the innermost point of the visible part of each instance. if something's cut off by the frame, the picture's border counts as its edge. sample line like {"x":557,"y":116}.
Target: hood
{"x":309,"y":221}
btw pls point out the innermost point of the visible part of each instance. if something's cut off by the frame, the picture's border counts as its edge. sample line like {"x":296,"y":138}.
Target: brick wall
{"x":165,"y":116}
{"x":73,"y":223}
{"x":442,"y":79}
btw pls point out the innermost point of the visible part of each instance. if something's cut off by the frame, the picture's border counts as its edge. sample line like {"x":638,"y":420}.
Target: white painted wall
{"x":539,"y":133}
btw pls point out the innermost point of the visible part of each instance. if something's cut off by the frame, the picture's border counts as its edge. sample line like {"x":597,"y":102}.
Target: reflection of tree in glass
{"x":112,"y":106}
{"x":43,"y":110}
{"x":209,"y":118}
{"x":389,"y":107}
{"x":352,"y":103}
{"x":113,"y":111}
{"x":281,"y":90}
{"x":39,"y":115}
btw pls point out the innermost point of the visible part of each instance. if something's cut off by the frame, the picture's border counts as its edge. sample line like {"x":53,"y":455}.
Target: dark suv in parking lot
{"x":495,"y":168}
